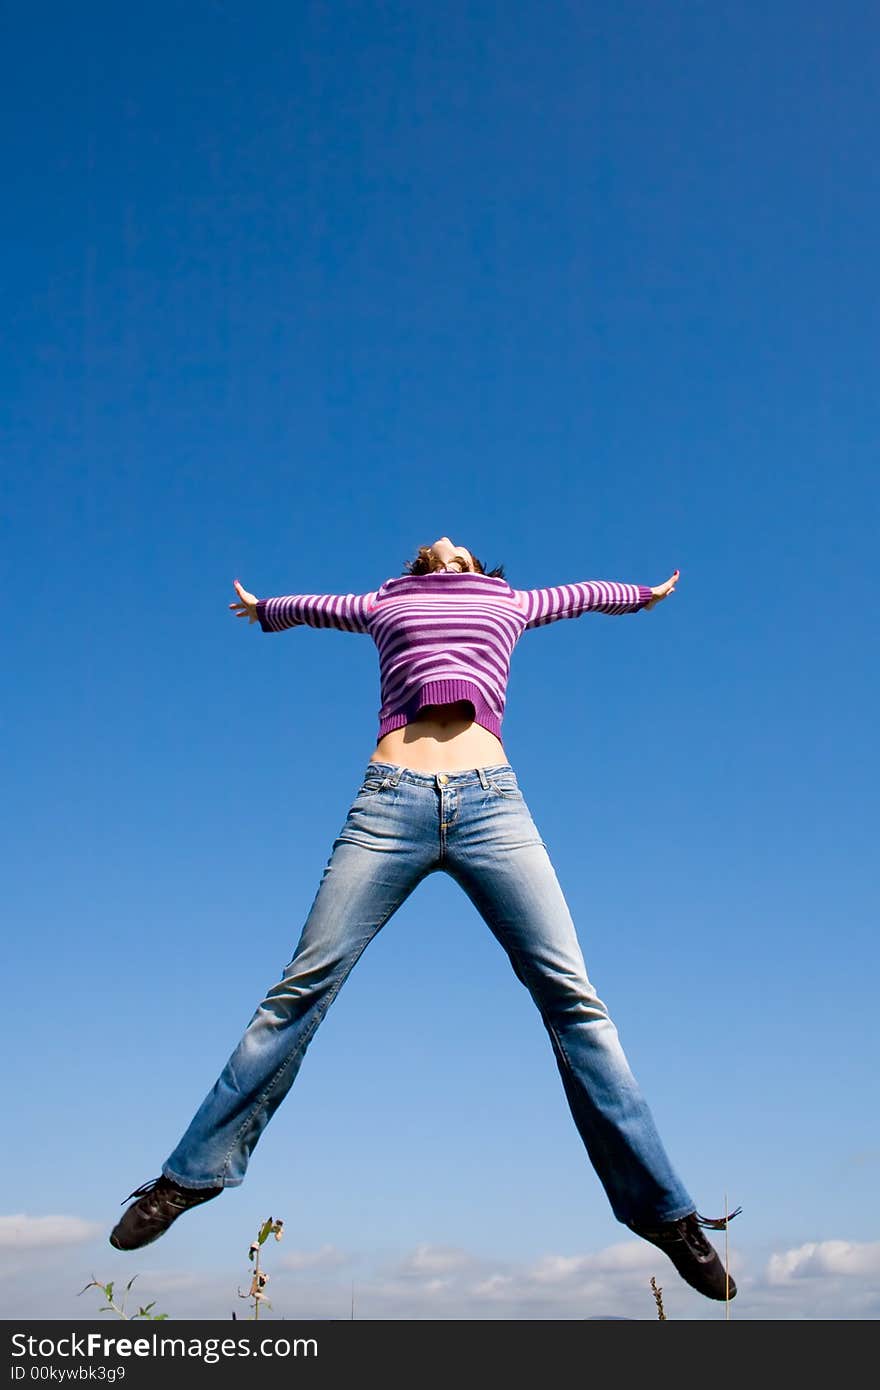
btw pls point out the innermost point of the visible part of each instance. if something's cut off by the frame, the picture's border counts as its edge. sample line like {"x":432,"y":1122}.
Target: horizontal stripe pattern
{"x":449,"y":635}
{"x":349,"y":612}
{"x":592,"y":596}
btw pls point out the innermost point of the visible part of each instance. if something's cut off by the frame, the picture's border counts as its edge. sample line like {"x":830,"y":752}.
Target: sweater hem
{"x":443,"y":692}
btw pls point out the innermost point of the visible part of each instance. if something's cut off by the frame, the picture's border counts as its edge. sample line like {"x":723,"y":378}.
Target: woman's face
{"x":447,"y":556}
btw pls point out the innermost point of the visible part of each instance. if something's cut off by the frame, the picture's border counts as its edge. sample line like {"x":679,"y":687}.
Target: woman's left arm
{"x":590,"y":596}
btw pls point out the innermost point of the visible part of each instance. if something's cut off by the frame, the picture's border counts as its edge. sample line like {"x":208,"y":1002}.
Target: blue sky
{"x":290,"y":291}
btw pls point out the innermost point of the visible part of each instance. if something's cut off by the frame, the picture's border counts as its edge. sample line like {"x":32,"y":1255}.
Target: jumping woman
{"x":439,"y":794}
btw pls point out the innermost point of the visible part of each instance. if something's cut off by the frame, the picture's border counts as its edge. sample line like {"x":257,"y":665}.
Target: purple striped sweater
{"x":448,"y":635}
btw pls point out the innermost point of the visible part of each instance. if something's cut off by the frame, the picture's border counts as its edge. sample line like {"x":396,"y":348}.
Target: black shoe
{"x":159,"y":1203}
{"x":695,"y":1259}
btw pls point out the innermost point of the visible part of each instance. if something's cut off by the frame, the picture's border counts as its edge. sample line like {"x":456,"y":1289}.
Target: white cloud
{"x":821,"y":1259}
{"x":496,"y":1286}
{"x":434,"y":1281}
{"x":447,"y":1281}
{"x":615,"y":1259}
{"x":168,"y":1281}
{"x":429,"y":1260}
{"x":41,"y":1232}
{"x":328,"y":1257}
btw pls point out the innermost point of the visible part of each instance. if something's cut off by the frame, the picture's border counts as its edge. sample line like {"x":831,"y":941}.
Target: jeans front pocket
{"x":504,"y":784}
{"x":374,"y":782}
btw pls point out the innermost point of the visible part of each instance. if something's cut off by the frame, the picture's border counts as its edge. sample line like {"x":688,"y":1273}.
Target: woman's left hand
{"x":663,"y":590}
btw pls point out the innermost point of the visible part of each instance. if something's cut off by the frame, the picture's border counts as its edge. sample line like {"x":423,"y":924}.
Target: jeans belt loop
{"x":484,"y":780}
{"x":395,"y":777}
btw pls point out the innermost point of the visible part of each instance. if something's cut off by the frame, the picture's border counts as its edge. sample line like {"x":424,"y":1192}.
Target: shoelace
{"x":163,"y":1189}
{"x":717,"y":1223}
{"x":689,"y":1230}
{"x":694,"y":1236}
{"x":142,"y":1190}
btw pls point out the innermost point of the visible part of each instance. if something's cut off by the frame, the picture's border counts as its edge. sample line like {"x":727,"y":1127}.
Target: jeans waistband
{"x":395,"y":773}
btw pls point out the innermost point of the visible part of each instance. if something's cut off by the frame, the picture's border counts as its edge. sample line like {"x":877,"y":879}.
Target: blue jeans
{"x":476,"y":826}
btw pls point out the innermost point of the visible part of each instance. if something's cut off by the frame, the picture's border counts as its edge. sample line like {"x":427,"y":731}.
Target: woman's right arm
{"x":346,"y":612}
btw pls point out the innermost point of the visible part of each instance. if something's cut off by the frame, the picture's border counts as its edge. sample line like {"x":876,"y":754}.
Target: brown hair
{"x":424,"y":563}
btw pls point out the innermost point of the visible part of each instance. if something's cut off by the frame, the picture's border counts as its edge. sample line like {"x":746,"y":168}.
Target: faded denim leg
{"x":378,"y":858}
{"x":475,"y":826}
{"x":495,"y":852}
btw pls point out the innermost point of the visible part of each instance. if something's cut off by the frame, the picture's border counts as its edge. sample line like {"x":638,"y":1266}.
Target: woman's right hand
{"x":247,"y":604}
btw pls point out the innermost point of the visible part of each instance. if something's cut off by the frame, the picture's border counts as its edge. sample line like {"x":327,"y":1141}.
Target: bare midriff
{"x":441,"y":738}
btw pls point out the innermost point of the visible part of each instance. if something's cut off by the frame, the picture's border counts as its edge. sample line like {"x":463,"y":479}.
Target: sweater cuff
{"x":645,"y":594}
{"x":261,"y":615}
